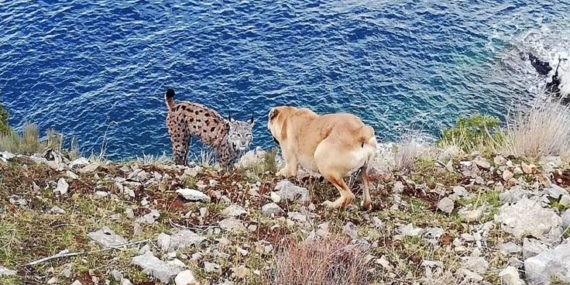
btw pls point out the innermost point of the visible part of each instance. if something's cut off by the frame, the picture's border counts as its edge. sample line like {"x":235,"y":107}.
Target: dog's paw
{"x":281,"y":172}
{"x":328,"y":204}
{"x":331,"y":205}
{"x":366,"y":205}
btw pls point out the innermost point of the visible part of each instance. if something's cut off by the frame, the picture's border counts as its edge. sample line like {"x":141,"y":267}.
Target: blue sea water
{"x":98,"y":70}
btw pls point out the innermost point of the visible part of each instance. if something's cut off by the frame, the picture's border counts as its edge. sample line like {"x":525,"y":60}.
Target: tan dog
{"x":333,"y":145}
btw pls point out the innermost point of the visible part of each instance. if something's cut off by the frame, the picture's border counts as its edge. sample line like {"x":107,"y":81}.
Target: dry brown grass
{"x":26,"y":143}
{"x":542,"y":129}
{"x":409,"y":150}
{"x":29,"y":142}
{"x":327,"y":261}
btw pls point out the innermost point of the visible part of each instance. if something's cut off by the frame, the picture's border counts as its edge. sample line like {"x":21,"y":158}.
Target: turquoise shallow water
{"x":97,"y":70}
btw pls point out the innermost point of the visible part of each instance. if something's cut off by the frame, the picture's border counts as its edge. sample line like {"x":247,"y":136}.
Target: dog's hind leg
{"x":333,"y":167}
{"x":346,"y":196}
{"x":366,"y":200}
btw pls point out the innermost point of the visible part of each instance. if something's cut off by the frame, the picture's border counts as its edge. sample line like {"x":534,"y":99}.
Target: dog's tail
{"x":169,"y":99}
{"x":366,"y":134}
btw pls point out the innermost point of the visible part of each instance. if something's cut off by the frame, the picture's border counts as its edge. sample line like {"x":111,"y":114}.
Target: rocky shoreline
{"x":453,"y":220}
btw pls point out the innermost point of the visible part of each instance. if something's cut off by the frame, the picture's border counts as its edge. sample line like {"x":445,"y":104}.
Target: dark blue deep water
{"x":99,"y":69}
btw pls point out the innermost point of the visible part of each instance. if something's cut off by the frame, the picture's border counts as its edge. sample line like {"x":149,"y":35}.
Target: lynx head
{"x":240,"y":134}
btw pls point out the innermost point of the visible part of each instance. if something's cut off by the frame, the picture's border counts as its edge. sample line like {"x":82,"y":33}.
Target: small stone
{"x":242,"y":251}
{"x":446,"y":205}
{"x":185,"y":238}
{"x":467,"y":237}
{"x":431,"y":263}
{"x":513,"y":195}
{"x":232,"y":225}
{"x":234,"y":211}
{"x":476,"y":251}
{"x":554,"y":263}
{"x":56,"y":210}
{"x":515,"y":262}
{"x":433,"y":234}
{"x":510,"y":276}
{"x":482,"y":162}
{"x":385,"y":263}
{"x":470,"y":215}
{"x":129,"y":213}
{"x":7,"y":156}
{"x":149,"y":218}
{"x":528,"y":169}
{"x":193,"y":195}
{"x":76,"y":282}
{"x":62,"y":187}
{"x":275,"y":197}
{"x":186,"y":277}
{"x":555,"y":191}
{"x":159,"y":269}
{"x":192,"y":172}
{"x":137,"y":229}
{"x":287,"y":190}
{"x":566,"y":219}
{"x":212,"y":267}
{"x":107,"y":238}
{"x":100,"y":194}
{"x":312,"y":207}
{"x":129,"y":192}
{"x":6,"y":272}
{"x":71,"y":175}
{"x":449,"y":166}
{"x":510,"y":247}
{"x":409,"y":230}
{"x":117,"y":275}
{"x":82,"y":161}
{"x":144,"y":249}
{"x":204,"y":212}
{"x":461,"y":192}
{"x":66,"y":271}
{"x":271,"y":209}
{"x":469,"y":275}
{"x":377,"y":222}
{"x":528,"y":217}
{"x":90,"y":168}
{"x":532,"y":247}
{"x":240,"y":272}
{"x":17,"y":201}
{"x":398,"y":187}
{"x":163,"y":241}
{"x":477,"y":264}
{"x":499,"y":160}
{"x":350,"y":230}
{"x":507,"y":175}
{"x":172,"y":257}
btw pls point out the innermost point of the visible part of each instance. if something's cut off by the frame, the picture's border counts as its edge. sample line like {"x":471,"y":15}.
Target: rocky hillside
{"x":459,"y":220}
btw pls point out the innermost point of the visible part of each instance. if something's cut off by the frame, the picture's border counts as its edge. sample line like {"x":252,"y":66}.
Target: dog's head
{"x":276,"y":121}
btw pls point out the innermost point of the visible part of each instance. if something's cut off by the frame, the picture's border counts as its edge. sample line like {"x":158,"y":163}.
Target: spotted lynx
{"x":228,"y":138}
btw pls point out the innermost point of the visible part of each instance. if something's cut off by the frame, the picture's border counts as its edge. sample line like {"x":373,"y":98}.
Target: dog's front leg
{"x":290,"y":168}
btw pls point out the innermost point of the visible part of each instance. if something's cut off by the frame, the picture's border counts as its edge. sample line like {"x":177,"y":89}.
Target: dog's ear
{"x":273,"y":113}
